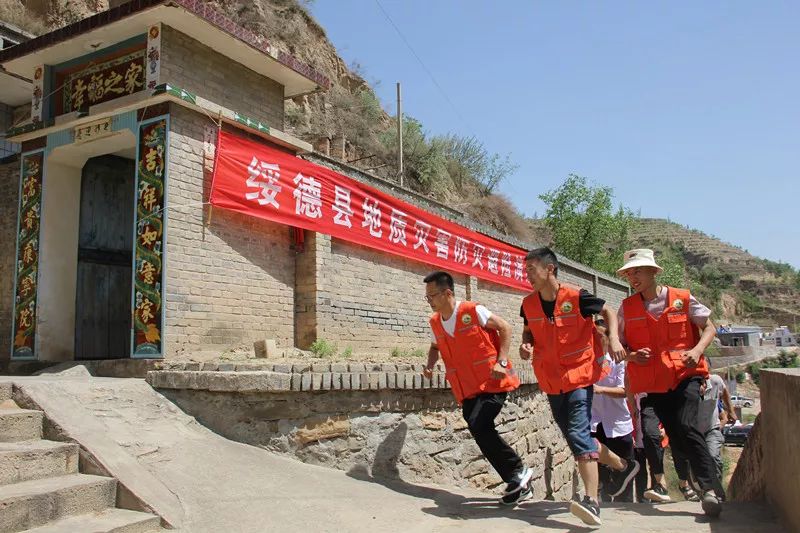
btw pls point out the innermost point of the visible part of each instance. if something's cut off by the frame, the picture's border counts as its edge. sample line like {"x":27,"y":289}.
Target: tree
{"x":584,"y":225}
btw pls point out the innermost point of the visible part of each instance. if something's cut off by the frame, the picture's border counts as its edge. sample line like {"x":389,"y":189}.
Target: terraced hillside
{"x":742,"y":287}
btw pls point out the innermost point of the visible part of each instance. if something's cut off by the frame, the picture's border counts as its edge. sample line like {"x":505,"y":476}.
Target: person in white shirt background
{"x":611,"y":420}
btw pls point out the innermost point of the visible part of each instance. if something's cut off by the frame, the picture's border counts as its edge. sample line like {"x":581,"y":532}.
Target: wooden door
{"x":105,"y":242}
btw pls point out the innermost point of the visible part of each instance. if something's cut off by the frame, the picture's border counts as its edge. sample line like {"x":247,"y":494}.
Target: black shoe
{"x":587,"y":510}
{"x":519,"y":488}
{"x":516,"y":497}
{"x":711,"y":504}
{"x":657,"y":494}
{"x":621,"y":480}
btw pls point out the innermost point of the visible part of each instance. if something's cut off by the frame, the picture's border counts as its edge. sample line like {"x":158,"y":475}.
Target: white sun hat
{"x":641,"y":257}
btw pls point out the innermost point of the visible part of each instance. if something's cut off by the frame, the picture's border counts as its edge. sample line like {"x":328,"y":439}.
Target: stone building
{"x":108,"y":245}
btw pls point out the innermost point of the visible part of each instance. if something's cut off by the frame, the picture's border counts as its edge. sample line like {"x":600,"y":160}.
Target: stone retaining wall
{"x":385,"y":420}
{"x":770,"y":465}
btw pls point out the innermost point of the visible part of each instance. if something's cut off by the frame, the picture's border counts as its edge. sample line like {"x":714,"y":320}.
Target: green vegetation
{"x":584,"y":224}
{"x":415,"y":352}
{"x":347,"y":353}
{"x":323,"y":348}
{"x":785,"y":359}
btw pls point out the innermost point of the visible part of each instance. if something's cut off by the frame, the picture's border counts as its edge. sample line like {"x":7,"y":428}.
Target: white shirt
{"x":610,"y":411}
{"x":449,"y":325}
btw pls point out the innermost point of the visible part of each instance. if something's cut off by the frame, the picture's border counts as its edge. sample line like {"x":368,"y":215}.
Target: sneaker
{"x":689,"y":494}
{"x":711,"y":505}
{"x":657,"y":494}
{"x":621,"y":479}
{"x":520,"y":480}
{"x":587,"y":510}
{"x":516,"y":497}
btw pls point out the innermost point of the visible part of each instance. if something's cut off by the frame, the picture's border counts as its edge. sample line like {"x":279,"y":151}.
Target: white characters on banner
{"x":442,"y":244}
{"x":477,"y":254}
{"x":505,"y":265}
{"x":263,"y":176}
{"x":491,"y":261}
{"x":460,"y":250}
{"x":307,"y":196}
{"x":341,"y":205}
{"x":423,"y":230}
{"x":264,"y":184}
{"x":372,"y":217}
{"x":519,"y":270}
{"x":397,"y":228}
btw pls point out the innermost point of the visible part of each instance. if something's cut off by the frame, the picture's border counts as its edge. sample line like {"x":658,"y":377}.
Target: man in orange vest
{"x":474,"y":345}
{"x":666,"y":331}
{"x":568,"y":359}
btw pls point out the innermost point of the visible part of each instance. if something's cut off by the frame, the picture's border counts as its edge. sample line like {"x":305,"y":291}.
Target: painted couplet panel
{"x":148,"y":276}
{"x":30,"y":211}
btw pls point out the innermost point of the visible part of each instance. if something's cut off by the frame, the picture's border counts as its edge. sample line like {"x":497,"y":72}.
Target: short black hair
{"x":442,"y":279}
{"x":545,"y":256}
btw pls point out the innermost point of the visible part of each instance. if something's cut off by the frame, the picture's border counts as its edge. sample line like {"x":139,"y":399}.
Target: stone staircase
{"x":41,"y":489}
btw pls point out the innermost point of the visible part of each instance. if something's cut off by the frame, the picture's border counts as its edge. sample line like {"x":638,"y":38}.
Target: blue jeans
{"x":573,"y":413}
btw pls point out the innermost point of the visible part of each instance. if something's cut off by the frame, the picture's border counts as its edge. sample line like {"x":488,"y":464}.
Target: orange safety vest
{"x":470,"y":354}
{"x":568,"y":353}
{"x":668,"y":338}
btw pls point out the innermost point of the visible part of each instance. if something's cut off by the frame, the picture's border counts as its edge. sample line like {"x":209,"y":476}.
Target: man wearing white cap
{"x":666,"y":331}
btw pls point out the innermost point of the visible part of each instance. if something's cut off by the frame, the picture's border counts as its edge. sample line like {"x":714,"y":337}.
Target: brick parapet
{"x":284,"y":377}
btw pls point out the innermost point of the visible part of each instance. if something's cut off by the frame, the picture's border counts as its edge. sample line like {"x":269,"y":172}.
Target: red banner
{"x":264,"y":182}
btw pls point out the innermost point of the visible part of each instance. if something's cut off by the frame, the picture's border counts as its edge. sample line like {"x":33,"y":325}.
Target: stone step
{"x":38,"y":502}
{"x":20,"y":424}
{"x":36,"y":459}
{"x":106,"y":521}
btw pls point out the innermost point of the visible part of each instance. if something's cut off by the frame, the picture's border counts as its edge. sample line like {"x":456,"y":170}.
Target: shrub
{"x":323,"y":348}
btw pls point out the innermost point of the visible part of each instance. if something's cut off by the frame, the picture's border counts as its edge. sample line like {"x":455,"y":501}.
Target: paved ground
{"x":202,"y":482}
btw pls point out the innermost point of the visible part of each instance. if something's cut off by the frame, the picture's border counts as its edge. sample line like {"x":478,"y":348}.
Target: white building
{"x":784,"y":337}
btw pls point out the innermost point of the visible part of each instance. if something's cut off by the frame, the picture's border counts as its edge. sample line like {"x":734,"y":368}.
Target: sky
{"x":689,"y":110}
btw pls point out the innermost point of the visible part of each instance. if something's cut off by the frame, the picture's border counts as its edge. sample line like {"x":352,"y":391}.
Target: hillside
{"x":744,"y":288}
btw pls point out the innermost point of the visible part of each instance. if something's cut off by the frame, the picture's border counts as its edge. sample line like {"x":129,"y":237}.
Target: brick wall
{"x":228,"y":282}
{"x":193,"y":66}
{"x":613,"y":293}
{"x":9,"y":182}
{"x":365,"y":299}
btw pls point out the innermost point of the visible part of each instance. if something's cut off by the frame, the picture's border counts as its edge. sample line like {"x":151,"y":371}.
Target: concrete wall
{"x":58,"y":262}
{"x":780,"y":412}
{"x":193,"y":66}
{"x":230,"y":281}
{"x":9,"y":184}
{"x":384,"y":423}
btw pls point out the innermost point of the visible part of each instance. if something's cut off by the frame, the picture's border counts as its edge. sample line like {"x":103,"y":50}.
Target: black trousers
{"x":678,"y":411}
{"x":642,"y":479}
{"x":651,"y":436}
{"x":623,"y":447}
{"x":480,"y":412}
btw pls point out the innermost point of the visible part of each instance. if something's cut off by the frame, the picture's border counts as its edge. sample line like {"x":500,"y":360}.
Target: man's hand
{"x":526,"y":351}
{"x":618,"y":352}
{"x":427,"y":372}
{"x":732,"y":418}
{"x":691,"y":358}
{"x":641,"y":357}
{"x":498,"y":372}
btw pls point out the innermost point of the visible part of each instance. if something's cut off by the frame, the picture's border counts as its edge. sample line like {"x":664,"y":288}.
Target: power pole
{"x":399,"y":134}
